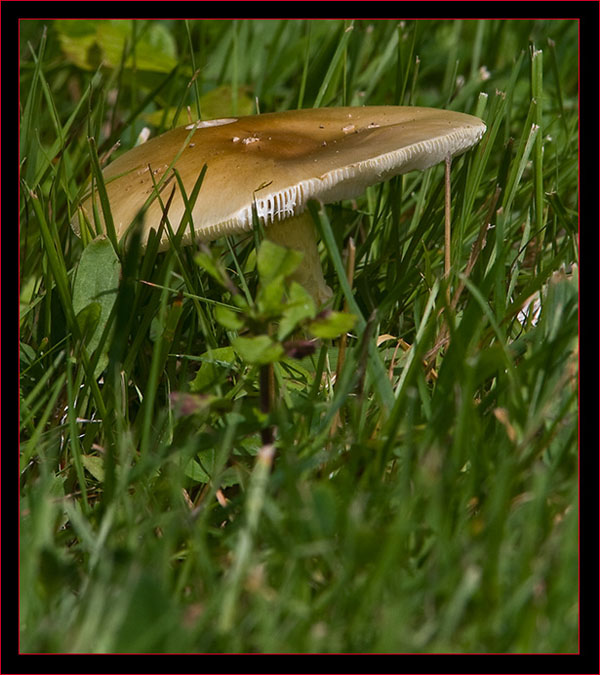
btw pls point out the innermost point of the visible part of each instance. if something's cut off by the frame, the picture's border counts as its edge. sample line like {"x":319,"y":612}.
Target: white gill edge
{"x":344,"y":183}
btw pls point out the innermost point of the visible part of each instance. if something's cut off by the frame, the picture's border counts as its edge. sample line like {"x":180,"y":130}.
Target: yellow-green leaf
{"x":332,"y":325}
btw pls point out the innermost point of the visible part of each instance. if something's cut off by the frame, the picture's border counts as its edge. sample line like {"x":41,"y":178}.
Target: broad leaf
{"x":300,"y":306}
{"x":96,"y":282}
{"x":274,"y":261}
{"x":332,"y":325}
{"x":258,"y":350}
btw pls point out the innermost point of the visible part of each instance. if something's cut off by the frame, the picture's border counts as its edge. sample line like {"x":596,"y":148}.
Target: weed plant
{"x":422,"y":496}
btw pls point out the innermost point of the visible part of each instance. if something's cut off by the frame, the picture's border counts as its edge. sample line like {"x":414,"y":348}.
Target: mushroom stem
{"x":299,"y":233}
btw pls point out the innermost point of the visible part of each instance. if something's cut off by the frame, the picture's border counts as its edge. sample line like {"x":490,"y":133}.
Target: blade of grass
{"x":98,"y":181}
{"x":375,"y":365}
{"x":537,"y":95}
{"x":336,"y":60}
{"x":195,"y":70}
{"x":31,"y":110}
{"x":413,"y":361}
{"x":305,"y":61}
{"x":243,"y":551}
{"x":160,"y":354}
{"x":74,"y":438}
{"x":35,"y":399}
{"x":58,"y":269}
{"x":405,"y":61}
{"x":519,"y":167}
{"x":35,"y":444}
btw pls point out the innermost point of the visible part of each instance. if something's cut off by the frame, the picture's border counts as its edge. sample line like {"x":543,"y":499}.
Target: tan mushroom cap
{"x":278,"y":161}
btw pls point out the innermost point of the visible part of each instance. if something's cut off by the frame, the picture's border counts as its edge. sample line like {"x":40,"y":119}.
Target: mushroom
{"x":277,"y":162}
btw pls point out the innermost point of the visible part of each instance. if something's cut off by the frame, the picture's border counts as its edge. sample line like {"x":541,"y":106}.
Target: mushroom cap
{"x":278,"y":161}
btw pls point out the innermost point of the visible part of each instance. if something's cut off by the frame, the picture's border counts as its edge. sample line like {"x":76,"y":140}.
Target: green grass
{"x":407,"y":508}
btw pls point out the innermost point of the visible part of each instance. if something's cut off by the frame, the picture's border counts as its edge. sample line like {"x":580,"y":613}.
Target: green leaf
{"x":332,"y":325}
{"x":301,"y":306}
{"x":214,"y":362}
{"x":96,"y":282}
{"x":87,"y":320}
{"x":194,"y":471}
{"x":184,"y":403}
{"x":258,"y":350}
{"x":228,"y":318}
{"x":213,"y":266}
{"x":270,"y":297}
{"x":89,"y":42}
{"x":274,"y":261}
{"x":95,"y":465}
